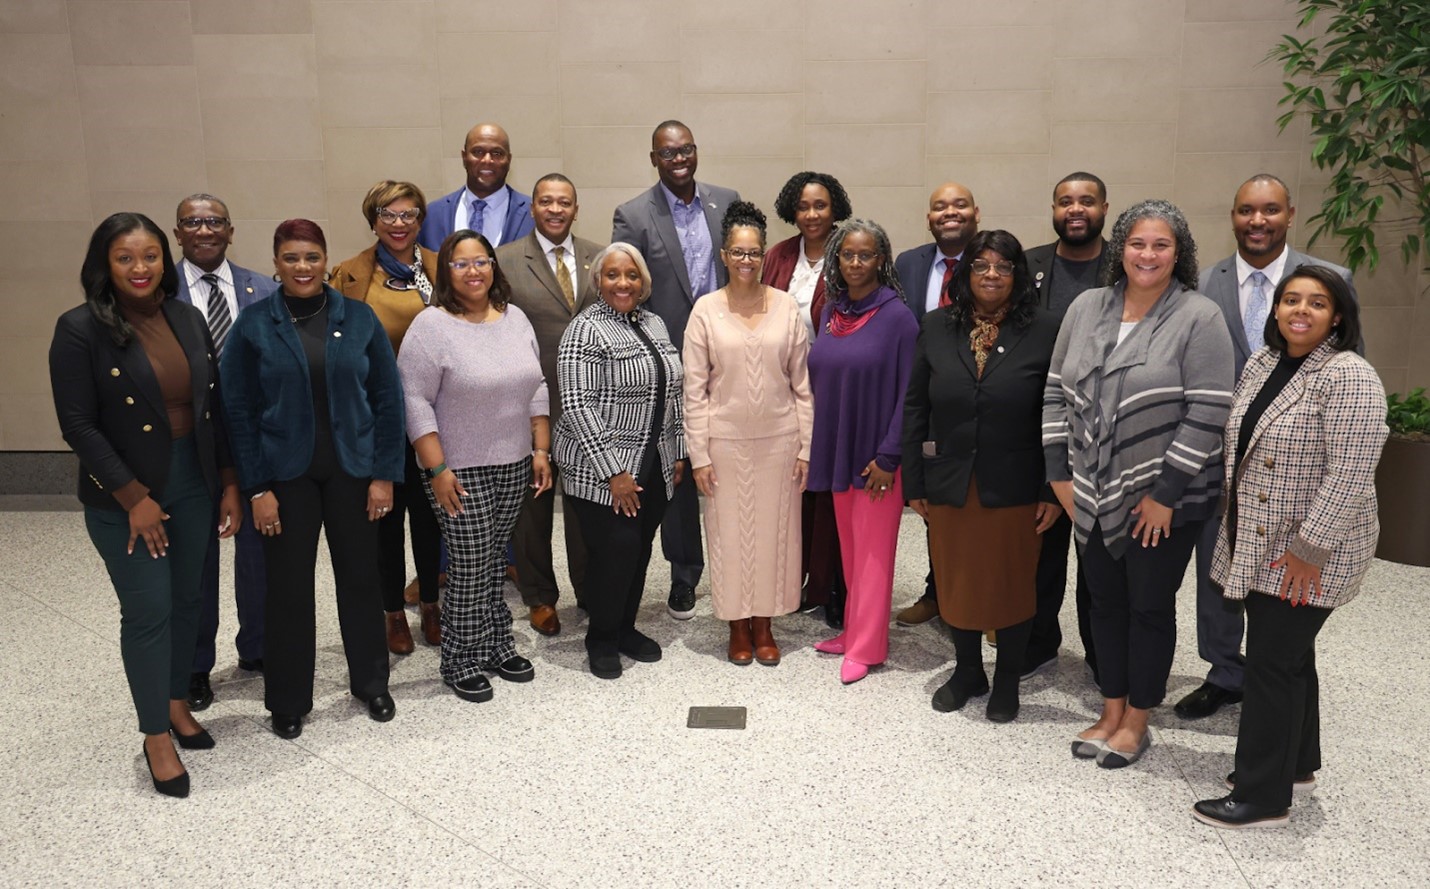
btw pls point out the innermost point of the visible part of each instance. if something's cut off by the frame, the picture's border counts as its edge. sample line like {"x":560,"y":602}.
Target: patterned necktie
{"x":948,"y":266}
{"x":1255,"y":321}
{"x":479,"y":216}
{"x":563,"y":277}
{"x":220,"y":319}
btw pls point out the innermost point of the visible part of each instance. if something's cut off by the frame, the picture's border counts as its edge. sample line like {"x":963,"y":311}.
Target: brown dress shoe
{"x":921,"y":612}
{"x":544,"y":620}
{"x":741,"y":647}
{"x":432,"y":623}
{"x":399,"y":637}
{"x":766,"y":651}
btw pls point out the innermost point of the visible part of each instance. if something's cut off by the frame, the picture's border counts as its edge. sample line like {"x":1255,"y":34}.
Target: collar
{"x":869,"y":303}
{"x":496,"y":201}
{"x":672,"y":200}
{"x":1273,"y":271}
{"x":195,"y":275}
{"x":569,"y":245}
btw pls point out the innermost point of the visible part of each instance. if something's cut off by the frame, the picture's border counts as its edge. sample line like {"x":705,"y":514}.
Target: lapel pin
{"x":1000,"y":350}
{"x":249,"y":289}
{"x":337,"y":333}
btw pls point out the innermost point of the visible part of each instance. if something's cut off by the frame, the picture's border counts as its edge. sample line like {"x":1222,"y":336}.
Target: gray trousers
{"x":1220,"y":624}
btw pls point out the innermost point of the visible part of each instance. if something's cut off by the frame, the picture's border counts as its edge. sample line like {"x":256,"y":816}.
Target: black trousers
{"x":409,"y":499}
{"x":823,"y":568}
{"x":680,"y":535}
{"x":1280,"y":733}
{"x":1052,"y":582}
{"x":531,"y":544}
{"x":618,"y":551}
{"x":1134,"y":612}
{"x":336,"y":503}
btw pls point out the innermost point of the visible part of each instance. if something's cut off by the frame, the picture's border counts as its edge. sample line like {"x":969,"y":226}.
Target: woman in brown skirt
{"x":973,"y":462}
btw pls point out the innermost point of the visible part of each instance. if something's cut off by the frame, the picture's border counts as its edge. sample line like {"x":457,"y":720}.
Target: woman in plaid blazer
{"x":1302,"y":444}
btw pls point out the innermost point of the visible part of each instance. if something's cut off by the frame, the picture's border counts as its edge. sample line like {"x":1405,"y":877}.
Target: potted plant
{"x":1402,"y":481}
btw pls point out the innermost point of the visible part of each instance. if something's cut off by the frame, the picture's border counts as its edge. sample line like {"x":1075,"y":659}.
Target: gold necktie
{"x":563,"y":278}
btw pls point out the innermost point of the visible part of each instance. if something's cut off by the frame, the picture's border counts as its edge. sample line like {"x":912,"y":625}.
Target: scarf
{"x":413,"y":274}
{"x":984,"y":335}
{"x":847,"y":316}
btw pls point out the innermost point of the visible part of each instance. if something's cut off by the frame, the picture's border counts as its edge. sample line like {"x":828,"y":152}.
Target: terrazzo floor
{"x":571,"y":781}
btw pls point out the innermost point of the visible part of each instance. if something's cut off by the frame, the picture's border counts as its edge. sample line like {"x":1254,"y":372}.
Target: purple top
{"x":476,"y":385}
{"x":859,"y":382}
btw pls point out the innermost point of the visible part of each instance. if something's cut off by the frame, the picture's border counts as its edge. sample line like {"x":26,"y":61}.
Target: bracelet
{"x":436,"y":470}
{"x":256,"y":496}
{"x":542,"y":451}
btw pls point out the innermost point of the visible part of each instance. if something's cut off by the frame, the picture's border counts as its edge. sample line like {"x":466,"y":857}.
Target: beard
{"x":1090,"y":234}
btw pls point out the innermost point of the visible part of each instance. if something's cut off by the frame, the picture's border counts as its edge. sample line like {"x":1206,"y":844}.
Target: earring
{"x":275,"y":277}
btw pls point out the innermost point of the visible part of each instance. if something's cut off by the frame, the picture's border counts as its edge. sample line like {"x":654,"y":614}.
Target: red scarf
{"x":841,"y":324}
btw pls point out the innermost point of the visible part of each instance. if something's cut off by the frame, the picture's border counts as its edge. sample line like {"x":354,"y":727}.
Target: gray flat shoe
{"x":1109,"y":758}
{"x":1088,"y":748}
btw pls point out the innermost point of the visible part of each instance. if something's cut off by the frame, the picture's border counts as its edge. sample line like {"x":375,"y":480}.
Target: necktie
{"x":220,"y":319}
{"x":948,"y":266}
{"x":1255,"y":321}
{"x":563,"y":277}
{"x":479,"y":216}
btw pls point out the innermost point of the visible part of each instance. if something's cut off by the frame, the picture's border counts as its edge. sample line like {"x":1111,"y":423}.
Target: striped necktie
{"x":220,"y":319}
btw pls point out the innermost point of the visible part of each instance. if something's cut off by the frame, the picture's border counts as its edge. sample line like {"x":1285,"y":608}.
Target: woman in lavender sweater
{"x":477,"y":414}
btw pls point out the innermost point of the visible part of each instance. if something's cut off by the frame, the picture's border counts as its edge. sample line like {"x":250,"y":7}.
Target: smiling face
{"x":814,"y":214}
{"x":1079,"y":212}
{"x":1259,"y":219}
{"x":554,"y":207}
{"x":744,"y":255}
{"x":993,"y":285}
{"x":136,"y":264}
{"x":1150,"y":256}
{"x":206,"y":245}
{"x":395,"y":234}
{"x":486,"y":155}
{"x":301,"y":266}
{"x":1306,"y":314}
{"x":859,"y":261}
{"x":678,"y":170}
{"x":953,"y":217}
{"x":472,"y":273}
{"x":621,"y":283}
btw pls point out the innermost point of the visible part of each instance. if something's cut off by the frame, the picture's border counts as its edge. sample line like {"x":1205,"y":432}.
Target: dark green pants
{"x":159,"y":598}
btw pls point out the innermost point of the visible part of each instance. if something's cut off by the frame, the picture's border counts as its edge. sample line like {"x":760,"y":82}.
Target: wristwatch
{"x":435,"y":470}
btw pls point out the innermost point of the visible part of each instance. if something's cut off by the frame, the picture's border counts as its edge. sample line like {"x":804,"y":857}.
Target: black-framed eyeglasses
{"x":461,"y":265}
{"x":1002,"y":269}
{"x":739,"y":254}
{"x":194,"y":223}
{"x":670,"y":154}
{"x":391,"y":216}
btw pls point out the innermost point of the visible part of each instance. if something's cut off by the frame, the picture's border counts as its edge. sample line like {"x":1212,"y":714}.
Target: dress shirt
{"x":493,"y":218}
{"x":199,"y":288}
{"x":548,"y":249}
{"x":1273,"y":272}
{"x":695,"y":242}
{"x":933,"y":289}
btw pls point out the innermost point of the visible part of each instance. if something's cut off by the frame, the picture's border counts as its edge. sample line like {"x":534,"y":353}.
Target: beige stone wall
{"x":293,"y":108}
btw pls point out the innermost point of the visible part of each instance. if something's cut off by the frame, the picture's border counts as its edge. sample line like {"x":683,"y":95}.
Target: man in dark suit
{"x":1060,"y":271}
{"x":549,"y":272}
{"x":676,"y":227}
{"x":220,"y":290}
{"x":924,"y":273}
{"x":486,"y":204}
{"x":1242,"y":285}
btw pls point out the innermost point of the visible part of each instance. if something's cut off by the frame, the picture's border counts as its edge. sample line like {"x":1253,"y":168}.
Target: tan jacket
{"x":1307,"y":482}
{"x":354,"y":278}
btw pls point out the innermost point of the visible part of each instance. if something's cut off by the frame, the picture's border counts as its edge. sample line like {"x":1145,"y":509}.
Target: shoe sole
{"x":1296,"y":786}
{"x":1278,"y":821}
{"x":1029,"y":674}
{"x":524,"y":676}
{"x":912,"y":623}
{"x":680,"y":615}
{"x":471,"y":697}
{"x":740,"y":661}
{"x":555,"y":632}
{"x":768,"y":662}
{"x":606,"y":674}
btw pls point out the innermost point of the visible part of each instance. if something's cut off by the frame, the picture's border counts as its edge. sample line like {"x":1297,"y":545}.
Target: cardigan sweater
{"x":1141,"y":417}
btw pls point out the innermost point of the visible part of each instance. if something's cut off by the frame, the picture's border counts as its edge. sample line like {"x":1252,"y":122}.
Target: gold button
{"x":129,"y":399}
{"x":206,"y":415}
{"x":148,"y":428}
{"x":1261,"y":497}
{"x":1260,"y":531}
{"x":1270,"y":463}
{"x":114,"y":371}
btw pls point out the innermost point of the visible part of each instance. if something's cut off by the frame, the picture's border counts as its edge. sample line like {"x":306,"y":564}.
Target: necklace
{"x":295,"y":319}
{"x":753,"y":308}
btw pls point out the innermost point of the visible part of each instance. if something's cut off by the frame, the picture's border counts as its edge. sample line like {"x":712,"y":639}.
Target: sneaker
{"x":1032,"y":668}
{"x":921,"y":612}
{"x":681,"y":603}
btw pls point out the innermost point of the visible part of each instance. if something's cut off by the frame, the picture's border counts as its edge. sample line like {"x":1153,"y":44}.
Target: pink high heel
{"x":831,"y":646}
{"x":850,"y":672}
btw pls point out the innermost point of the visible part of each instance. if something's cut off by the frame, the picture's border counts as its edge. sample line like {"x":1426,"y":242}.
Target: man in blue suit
{"x":220,"y":289}
{"x":924,"y":273}
{"x":1242,"y":286}
{"x":486,"y":203}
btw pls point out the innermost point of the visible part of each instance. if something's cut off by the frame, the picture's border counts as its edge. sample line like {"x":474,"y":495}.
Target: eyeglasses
{"x":461,"y":265}
{"x":194,"y":223}
{"x":399,"y":284}
{"x":742,"y":255}
{"x":861,"y":258}
{"x":407,"y":216}
{"x":670,"y":154}
{"x":982,"y":267}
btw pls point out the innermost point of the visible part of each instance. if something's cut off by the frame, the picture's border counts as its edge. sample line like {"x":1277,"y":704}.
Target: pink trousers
{"x":868,"y":538}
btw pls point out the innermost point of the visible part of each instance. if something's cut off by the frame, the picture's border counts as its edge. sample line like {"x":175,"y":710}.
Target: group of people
{"x":477,"y":355}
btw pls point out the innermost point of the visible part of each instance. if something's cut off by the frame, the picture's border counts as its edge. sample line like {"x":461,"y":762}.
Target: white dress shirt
{"x":493,"y":218}
{"x":1273,"y":272}
{"x":568,"y":259}
{"x":199,"y":288}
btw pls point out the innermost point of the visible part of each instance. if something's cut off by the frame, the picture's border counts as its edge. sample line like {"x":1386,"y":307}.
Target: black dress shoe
{"x":177,"y":786}
{"x":201,"y":693}
{"x":681,"y":603}
{"x":1227,"y":812}
{"x":287,"y":727}
{"x":605,"y":665}
{"x":639,"y":647}
{"x":252,"y":666}
{"x":954,"y":693}
{"x":475,"y":689}
{"x":381,"y":708}
{"x":200,"y":741}
{"x":516,"y":669}
{"x":1205,"y":701}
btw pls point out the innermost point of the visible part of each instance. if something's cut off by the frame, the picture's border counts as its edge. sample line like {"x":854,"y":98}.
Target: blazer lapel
{"x":136,"y":363}
{"x":715,"y":221}
{"x":537,"y":265}
{"x":1009,"y":339}
{"x":1222,"y":288}
{"x":283,"y":326}
{"x":585,"y":293}
{"x":665,"y":227}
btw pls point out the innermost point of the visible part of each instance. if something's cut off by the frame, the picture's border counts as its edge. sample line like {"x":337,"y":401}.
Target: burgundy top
{"x":780,"y":261}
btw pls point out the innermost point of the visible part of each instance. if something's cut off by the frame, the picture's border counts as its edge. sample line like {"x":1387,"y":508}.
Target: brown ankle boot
{"x":741,"y":649}
{"x":766,"y":651}
{"x":399,"y":637}
{"x":432,"y":623}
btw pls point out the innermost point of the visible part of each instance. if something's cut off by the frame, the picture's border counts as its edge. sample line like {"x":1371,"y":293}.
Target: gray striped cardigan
{"x":1142,"y":417}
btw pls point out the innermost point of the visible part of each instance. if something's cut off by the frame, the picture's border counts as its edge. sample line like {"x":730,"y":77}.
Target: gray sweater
{"x":1141,"y":417}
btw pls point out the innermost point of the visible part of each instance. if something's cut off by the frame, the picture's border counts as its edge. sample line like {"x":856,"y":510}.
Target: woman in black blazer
{"x":973,"y":462}
{"x":135,"y":388}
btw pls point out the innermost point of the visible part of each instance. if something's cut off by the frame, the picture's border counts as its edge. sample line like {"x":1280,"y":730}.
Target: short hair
{"x":1082,"y":176}
{"x":1274,"y":180}
{"x":742,"y":213}
{"x":94,"y":274}
{"x":1344,"y":335}
{"x":788,"y":198}
{"x":552,"y":177}
{"x":1185,"y":270}
{"x":499,"y":294}
{"x":387,"y":191}
{"x":634,"y":254}
{"x":1022,"y":302}
{"x":668,"y":125}
{"x":299,"y":230}
{"x":834,"y":279}
{"x":195,"y":198}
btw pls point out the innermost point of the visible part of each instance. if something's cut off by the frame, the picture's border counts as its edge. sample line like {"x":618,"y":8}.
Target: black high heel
{"x":200,"y":741}
{"x":177,"y":787}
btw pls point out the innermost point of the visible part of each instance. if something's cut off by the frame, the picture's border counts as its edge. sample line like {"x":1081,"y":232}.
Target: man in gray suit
{"x":1242,"y":285}
{"x":220,"y":289}
{"x":549,"y":272}
{"x":676,"y":227}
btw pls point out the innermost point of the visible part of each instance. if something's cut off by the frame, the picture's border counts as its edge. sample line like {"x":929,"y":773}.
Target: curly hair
{"x":742,"y":213}
{"x":788,"y":198}
{"x":1185,"y":270}
{"x":834,"y":279}
{"x":442,"y":292}
{"x":98,"y":284}
{"x":1023,"y":301}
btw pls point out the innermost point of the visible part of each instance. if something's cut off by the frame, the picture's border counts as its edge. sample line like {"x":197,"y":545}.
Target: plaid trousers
{"x":476,"y":623}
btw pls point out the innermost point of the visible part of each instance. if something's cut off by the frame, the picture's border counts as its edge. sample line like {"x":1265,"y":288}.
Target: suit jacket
{"x":913,"y":268}
{"x":441,"y":219}
{"x":249,"y":286}
{"x":268,"y":398}
{"x":988,"y":427}
{"x":534,"y":290}
{"x":1219,"y":285}
{"x":1307,"y":482}
{"x":112,"y":413}
{"x":1040,"y":269}
{"x":644,"y":222}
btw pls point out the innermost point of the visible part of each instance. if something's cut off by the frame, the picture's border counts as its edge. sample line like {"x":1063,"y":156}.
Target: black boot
{"x":1012,"y":645}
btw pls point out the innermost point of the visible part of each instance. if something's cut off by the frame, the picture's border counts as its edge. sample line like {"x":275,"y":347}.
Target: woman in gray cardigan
{"x":1136,"y":399}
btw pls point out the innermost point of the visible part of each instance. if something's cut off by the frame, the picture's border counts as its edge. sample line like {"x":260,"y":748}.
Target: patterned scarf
{"x":412,"y":274}
{"x":984,"y":335}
